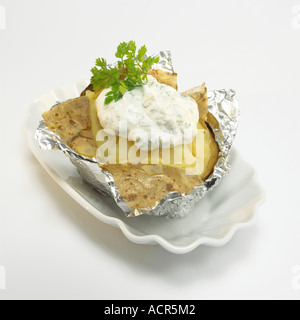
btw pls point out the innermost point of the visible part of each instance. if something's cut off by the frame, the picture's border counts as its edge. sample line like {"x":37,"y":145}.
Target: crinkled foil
{"x":223,"y":105}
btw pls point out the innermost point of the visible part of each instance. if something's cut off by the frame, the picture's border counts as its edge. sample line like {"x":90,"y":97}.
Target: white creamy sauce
{"x":154,"y":115}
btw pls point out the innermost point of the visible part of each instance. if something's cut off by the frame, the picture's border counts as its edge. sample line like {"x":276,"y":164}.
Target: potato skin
{"x":72,"y":122}
{"x":165,"y":77}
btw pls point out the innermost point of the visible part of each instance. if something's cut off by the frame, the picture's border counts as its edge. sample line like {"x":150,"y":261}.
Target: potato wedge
{"x":72,"y":122}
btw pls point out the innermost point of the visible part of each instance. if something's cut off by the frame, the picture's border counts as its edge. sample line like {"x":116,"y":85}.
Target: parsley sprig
{"x":129,"y":72}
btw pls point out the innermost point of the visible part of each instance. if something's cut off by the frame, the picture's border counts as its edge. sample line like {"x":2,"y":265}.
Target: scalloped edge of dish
{"x":147,"y":239}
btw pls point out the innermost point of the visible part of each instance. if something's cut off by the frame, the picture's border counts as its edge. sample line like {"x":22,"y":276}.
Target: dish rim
{"x":118,"y":223}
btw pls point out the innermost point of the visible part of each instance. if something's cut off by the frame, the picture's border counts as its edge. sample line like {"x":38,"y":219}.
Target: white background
{"x":51,"y":247}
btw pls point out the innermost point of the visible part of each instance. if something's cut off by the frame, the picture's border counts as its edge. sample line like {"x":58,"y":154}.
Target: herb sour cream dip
{"x":153,"y":116}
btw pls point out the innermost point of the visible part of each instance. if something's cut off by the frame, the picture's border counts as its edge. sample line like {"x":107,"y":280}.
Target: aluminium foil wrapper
{"x":223,"y":105}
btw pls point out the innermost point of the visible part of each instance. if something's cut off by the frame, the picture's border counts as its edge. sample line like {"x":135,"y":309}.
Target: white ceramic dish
{"x":213,"y":221}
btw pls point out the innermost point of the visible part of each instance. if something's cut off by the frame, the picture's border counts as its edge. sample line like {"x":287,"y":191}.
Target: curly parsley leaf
{"x":129,"y":72}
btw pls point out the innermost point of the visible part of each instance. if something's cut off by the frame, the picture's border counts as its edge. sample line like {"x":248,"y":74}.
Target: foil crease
{"x":223,"y":105}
